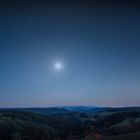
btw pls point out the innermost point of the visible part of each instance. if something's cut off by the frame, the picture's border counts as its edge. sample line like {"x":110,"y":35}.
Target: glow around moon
{"x":58,"y":65}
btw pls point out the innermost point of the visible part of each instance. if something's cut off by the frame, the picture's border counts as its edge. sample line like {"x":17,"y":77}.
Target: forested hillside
{"x":34,"y":124}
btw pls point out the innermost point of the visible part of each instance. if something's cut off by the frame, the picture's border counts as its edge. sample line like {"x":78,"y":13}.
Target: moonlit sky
{"x":97,"y":44}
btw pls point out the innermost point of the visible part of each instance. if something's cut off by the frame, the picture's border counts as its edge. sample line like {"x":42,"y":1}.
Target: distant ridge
{"x":78,"y":108}
{"x":61,"y":110}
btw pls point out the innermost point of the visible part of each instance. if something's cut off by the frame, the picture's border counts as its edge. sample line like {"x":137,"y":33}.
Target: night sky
{"x":97,"y":43}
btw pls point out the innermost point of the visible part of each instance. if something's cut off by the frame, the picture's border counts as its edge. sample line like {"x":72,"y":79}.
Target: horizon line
{"x":63,"y":106}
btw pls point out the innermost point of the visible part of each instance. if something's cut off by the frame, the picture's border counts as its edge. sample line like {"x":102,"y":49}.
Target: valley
{"x":69,"y":123}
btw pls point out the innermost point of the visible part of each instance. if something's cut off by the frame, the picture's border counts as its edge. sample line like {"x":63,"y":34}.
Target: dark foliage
{"x":15,"y":124}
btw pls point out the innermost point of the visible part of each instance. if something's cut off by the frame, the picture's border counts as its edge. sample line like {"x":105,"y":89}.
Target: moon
{"x":58,"y":65}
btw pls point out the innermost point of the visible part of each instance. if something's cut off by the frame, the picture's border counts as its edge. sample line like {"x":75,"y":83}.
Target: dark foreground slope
{"x":15,"y":124}
{"x":133,"y":136}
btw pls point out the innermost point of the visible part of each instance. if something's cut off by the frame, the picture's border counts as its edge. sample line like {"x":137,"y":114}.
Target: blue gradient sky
{"x":98,"y":44}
